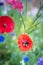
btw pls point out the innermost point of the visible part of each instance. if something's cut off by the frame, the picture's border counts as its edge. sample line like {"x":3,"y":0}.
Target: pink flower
{"x":16,"y":4}
{"x":20,"y":6}
{"x":9,"y":1}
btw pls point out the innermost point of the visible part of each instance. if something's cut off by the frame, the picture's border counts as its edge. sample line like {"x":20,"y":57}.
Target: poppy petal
{"x":25,"y":43}
{"x":6,"y":24}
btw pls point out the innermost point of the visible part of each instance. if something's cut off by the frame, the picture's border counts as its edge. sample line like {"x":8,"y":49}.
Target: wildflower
{"x":25,"y":43}
{"x":6,"y":24}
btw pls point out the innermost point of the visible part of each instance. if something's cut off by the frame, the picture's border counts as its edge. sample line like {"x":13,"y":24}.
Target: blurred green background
{"x":10,"y":54}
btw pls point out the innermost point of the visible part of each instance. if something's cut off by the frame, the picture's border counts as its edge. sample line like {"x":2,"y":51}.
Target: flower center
{"x":4,"y":25}
{"x":25,"y":43}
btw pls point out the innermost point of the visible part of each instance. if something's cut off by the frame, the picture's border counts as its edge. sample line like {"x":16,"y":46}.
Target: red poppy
{"x":25,"y":42}
{"x":6,"y":24}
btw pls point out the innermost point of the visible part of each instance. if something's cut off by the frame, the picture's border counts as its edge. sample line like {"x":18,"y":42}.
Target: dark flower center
{"x":4,"y":25}
{"x":25,"y":43}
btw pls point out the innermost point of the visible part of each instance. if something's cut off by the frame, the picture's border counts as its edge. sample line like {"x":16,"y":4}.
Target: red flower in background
{"x":25,"y":42}
{"x":6,"y":24}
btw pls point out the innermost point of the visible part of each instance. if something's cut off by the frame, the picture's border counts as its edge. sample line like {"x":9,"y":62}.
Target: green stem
{"x":26,"y":8}
{"x":22,"y":20}
{"x":37,"y":17}
{"x":33,"y":28}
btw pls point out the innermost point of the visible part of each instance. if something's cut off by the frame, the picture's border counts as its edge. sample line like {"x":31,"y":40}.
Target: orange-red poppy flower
{"x":6,"y":24}
{"x":25,"y":43}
